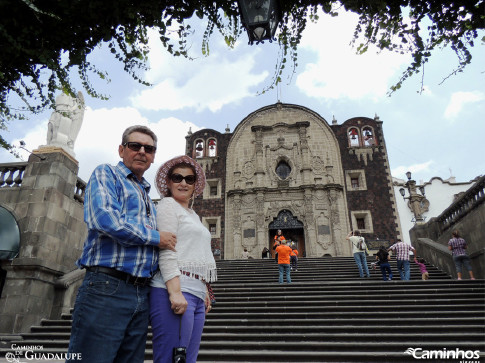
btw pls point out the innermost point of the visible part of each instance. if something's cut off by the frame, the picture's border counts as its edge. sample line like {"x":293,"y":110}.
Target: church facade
{"x":285,"y":167}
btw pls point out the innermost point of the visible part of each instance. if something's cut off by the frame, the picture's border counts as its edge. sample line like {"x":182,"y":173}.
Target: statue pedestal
{"x":52,"y":231}
{"x":54,"y":149}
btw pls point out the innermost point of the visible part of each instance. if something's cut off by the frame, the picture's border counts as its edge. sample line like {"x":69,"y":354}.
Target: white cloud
{"x":459,"y":100}
{"x":399,"y":171}
{"x":101,"y":133}
{"x":100,"y":136}
{"x":338,"y":72}
{"x":203,"y":83}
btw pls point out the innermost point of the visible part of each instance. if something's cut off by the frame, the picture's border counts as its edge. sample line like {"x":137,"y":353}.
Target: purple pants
{"x":168,"y":329}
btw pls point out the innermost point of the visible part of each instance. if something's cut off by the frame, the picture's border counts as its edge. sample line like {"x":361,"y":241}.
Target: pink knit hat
{"x":161,"y":178}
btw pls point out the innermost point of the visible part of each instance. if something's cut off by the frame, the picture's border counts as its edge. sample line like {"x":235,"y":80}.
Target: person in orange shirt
{"x":294,"y":258}
{"x":277,"y":240}
{"x":283,"y":252}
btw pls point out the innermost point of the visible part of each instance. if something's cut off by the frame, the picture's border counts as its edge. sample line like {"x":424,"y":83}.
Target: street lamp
{"x":260,"y":18}
{"x":417,"y":202}
{"x":22,"y":146}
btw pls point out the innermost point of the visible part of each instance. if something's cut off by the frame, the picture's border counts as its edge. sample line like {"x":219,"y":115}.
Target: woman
{"x":382,"y":257}
{"x":457,"y":246}
{"x":179,"y":297}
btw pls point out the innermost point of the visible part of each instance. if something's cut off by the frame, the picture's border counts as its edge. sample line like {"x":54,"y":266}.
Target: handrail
{"x":473,"y":197}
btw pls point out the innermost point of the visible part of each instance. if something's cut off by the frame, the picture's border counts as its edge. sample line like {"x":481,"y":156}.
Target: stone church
{"x":285,"y":167}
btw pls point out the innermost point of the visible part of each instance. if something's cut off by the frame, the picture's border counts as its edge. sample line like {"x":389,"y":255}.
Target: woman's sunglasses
{"x":177,"y":178}
{"x":135,"y":146}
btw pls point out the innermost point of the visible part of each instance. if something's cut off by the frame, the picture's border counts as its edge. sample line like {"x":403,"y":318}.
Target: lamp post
{"x":417,"y":202}
{"x":260,"y":18}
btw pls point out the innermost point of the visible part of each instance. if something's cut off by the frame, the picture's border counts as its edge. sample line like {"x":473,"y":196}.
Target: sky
{"x":435,"y":133}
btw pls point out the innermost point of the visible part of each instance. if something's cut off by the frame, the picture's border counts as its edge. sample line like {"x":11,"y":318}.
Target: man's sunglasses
{"x":135,"y":146}
{"x":177,"y":178}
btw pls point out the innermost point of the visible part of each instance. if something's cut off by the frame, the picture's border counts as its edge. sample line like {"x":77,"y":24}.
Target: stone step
{"x":328,"y":314}
{"x":62,"y":339}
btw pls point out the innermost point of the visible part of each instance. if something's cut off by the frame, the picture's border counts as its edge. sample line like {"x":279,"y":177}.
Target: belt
{"x":195,"y":276}
{"x":126,"y":277}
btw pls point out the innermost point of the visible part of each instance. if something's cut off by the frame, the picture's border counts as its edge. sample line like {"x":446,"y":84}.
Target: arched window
{"x":368,"y":136}
{"x":283,"y":170}
{"x":354,"y":138}
{"x":199,"y":148}
{"x":212,"y":147}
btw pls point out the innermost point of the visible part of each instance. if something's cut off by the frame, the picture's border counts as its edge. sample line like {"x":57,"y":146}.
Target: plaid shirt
{"x":401,"y":250}
{"x":121,"y":221}
{"x":458,"y":246}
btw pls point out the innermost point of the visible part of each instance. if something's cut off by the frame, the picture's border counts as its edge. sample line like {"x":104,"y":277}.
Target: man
{"x":401,"y":250}
{"x":111,"y":314}
{"x":283,"y":252}
{"x":358,"y":247}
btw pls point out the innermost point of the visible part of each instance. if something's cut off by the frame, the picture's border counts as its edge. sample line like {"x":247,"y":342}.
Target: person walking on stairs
{"x":382,"y":258}
{"x":422,"y":268}
{"x":402,"y":250}
{"x":358,"y":246}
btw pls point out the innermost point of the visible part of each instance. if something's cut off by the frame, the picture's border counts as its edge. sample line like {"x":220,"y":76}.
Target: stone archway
{"x":291,"y":228}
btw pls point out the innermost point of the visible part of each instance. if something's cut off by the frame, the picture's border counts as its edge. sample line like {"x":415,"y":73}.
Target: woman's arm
{"x":167,"y":221}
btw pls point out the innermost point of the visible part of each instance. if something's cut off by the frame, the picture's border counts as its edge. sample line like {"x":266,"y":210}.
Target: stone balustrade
{"x":80,"y":190}
{"x":11,"y":174}
{"x":468,"y":201}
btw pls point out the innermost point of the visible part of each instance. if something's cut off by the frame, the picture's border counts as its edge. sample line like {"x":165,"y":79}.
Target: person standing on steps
{"x":283,"y":252}
{"x":277,"y":241}
{"x":120,"y":255}
{"x":457,"y":246}
{"x":294,"y":257}
{"x":358,"y":249}
{"x":180,"y":295}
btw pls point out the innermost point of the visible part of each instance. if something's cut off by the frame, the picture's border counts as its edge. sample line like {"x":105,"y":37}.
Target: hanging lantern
{"x":260,"y":18}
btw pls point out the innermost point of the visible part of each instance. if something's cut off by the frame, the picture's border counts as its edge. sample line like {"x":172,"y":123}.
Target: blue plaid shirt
{"x":121,"y":221}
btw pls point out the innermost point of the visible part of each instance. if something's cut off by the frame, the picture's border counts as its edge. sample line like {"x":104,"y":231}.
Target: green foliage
{"x":42,"y":42}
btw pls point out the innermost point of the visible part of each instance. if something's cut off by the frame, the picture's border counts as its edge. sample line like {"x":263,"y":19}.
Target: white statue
{"x":65,"y":122}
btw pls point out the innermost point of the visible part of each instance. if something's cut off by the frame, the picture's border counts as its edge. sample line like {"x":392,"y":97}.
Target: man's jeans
{"x":284,"y":267}
{"x":361,"y":262}
{"x":110,"y":320}
{"x":404,"y":269}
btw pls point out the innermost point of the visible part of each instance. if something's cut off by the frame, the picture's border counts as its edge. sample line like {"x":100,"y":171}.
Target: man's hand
{"x":168,"y":241}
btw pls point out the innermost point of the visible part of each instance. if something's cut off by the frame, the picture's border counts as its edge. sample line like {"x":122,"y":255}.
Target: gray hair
{"x":138,"y":128}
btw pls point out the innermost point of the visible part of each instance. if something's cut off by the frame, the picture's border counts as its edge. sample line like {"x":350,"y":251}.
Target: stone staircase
{"x":328,"y":314}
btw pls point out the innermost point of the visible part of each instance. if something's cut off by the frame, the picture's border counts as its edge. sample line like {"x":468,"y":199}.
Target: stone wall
{"x":312,"y":191}
{"x":211,"y":207}
{"x":467,"y":215}
{"x":374,"y":199}
{"x":52,"y":231}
